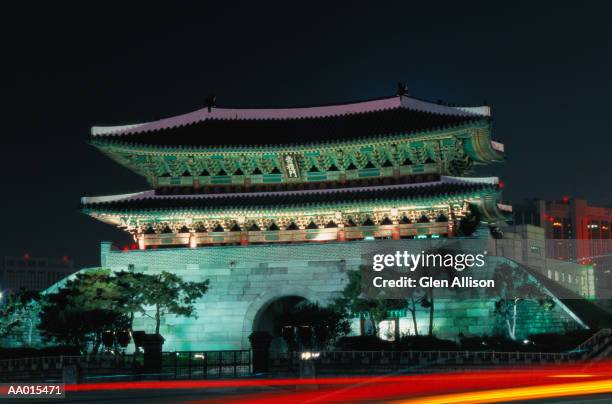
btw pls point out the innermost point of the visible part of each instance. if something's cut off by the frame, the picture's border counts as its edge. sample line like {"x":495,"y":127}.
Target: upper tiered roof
{"x":298,"y":125}
{"x":248,"y":147}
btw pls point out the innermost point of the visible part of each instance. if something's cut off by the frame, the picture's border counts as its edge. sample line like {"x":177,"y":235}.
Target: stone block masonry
{"x":245,"y":280}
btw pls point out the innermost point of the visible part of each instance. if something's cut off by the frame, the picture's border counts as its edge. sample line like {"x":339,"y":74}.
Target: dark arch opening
{"x":267,"y":318}
{"x":277,"y":318}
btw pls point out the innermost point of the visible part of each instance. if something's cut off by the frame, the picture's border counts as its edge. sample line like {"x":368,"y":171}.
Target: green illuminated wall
{"x":244,"y":280}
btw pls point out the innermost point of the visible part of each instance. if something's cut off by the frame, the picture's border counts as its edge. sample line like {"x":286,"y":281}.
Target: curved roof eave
{"x":103,"y":205}
{"x":85,"y":200}
{"x":103,"y":142}
{"x":220,"y":113}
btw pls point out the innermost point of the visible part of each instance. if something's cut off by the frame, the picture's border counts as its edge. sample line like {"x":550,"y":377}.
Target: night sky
{"x":544,"y":68}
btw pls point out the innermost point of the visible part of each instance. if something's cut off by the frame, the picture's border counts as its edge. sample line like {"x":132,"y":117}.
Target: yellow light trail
{"x":576,"y":376}
{"x":517,"y":393}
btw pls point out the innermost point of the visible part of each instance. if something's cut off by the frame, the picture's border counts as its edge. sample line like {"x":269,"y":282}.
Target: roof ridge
{"x":287,"y":113}
{"x":122,"y":141}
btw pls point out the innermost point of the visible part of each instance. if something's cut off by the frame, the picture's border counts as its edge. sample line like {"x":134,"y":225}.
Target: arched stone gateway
{"x":271,"y":303}
{"x":268,"y":320}
{"x":245,"y":282}
{"x":266,"y":317}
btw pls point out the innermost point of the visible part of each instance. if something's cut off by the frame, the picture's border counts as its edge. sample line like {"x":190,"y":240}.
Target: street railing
{"x":238,"y":363}
{"x":175,"y":365}
{"x":360,"y":361}
{"x":207,"y":364}
{"x":594,"y":344}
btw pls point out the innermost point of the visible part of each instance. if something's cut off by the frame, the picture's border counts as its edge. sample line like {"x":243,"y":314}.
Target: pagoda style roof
{"x":248,"y":148}
{"x":248,"y":127}
{"x":145,"y":203}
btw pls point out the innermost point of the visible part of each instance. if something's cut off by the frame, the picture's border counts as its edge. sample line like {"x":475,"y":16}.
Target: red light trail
{"x":455,"y":387}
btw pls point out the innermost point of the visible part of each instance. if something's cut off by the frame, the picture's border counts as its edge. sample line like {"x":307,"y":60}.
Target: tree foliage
{"x":80,"y":312}
{"x":132,"y":299}
{"x":313,"y":326}
{"x":169,"y":294}
{"x":513,"y":288}
{"x":18,"y":316}
{"x":355,"y":302}
{"x":426,"y":296}
{"x":468,"y":224}
{"x":99,"y":306}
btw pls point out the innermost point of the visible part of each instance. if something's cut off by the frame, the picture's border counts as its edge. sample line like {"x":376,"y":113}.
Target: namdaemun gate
{"x":274,"y":206}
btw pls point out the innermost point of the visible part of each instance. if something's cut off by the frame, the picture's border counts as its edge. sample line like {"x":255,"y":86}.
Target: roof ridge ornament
{"x":211,"y":102}
{"x":402,"y":90}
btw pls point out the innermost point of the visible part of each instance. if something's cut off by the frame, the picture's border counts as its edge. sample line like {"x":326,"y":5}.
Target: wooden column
{"x":244,"y":238}
{"x":395,"y":232}
{"x":193,"y":242}
{"x":141,"y":242}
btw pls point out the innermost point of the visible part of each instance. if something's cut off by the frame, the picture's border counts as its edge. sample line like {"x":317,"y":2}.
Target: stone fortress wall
{"x":244,"y":281}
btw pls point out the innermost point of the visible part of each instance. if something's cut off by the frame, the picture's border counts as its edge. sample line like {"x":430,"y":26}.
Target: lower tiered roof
{"x":149,"y":203}
{"x":399,"y":210}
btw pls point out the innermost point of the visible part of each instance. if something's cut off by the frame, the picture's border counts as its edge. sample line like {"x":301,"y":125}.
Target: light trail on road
{"x":489,"y":386}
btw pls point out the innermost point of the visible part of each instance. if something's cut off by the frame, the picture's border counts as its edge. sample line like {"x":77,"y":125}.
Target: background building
{"x":527,"y":245}
{"x":575,"y":232}
{"x":33,"y":273}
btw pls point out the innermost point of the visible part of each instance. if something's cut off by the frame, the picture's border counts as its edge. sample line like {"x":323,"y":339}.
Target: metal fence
{"x":175,"y":365}
{"x":384,"y":361}
{"x":208,"y":364}
{"x":593,"y":346}
{"x":238,"y":363}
